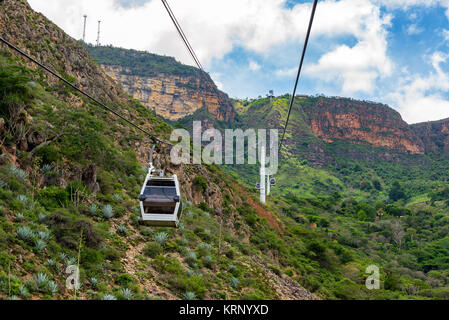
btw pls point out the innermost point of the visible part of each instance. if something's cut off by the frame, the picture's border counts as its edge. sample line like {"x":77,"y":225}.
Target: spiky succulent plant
{"x":122,"y":230}
{"x":24,"y":233}
{"x":127,"y":294}
{"x":41,"y":245}
{"x":189,"y":295}
{"x":108,"y":212}
{"x":161,"y":238}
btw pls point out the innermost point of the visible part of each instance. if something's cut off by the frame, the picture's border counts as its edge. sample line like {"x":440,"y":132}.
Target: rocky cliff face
{"x":434,"y":135}
{"x":358,"y":122}
{"x":174,"y":97}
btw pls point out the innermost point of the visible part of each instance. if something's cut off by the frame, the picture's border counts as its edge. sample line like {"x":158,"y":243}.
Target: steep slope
{"x":360,"y":122}
{"x":69,"y":177}
{"x":162,"y":84}
{"x":434,"y":135}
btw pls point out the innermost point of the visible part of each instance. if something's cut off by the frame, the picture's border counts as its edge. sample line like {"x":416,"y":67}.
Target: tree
{"x":397,"y":231}
{"x":396,"y":192}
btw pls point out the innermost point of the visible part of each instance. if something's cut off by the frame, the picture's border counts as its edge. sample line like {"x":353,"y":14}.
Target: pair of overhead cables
{"x":10,"y":45}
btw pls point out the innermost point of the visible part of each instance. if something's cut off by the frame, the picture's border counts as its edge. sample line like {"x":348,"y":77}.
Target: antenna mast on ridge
{"x":84,"y":29}
{"x":98,"y":37}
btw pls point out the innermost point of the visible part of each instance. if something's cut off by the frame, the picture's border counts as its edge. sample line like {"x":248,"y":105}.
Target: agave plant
{"x":41,"y":217}
{"x":70,"y":262}
{"x":93,"y":209}
{"x":205,"y":246}
{"x":190,"y":214}
{"x":44,"y":235}
{"x":189,"y":296}
{"x":25,"y":233}
{"x":22,"y":198}
{"x":62,"y":256}
{"x":117,"y":197}
{"x":51,"y":263}
{"x":20,"y":217}
{"x":18,"y":172}
{"x":109,"y":297}
{"x":47,"y":168}
{"x":41,"y":245}
{"x":122,"y":230}
{"x":127,"y":294}
{"x":208,"y":258}
{"x":191,"y":255}
{"x":207,"y":231}
{"x":108,"y":212}
{"x":13,"y":298}
{"x":3,"y":184}
{"x":41,"y":280}
{"x":235,"y":283}
{"x":52,"y":287}
{"x":190,"y":273}
{"x":23,"y":291}
{"x":93,"y":282}
{"x":161,"y":238}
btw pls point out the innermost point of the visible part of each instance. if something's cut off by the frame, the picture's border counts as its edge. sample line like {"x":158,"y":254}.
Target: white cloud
{"x":414,"y":29}
{"x":214,"y":27}
{"x":421,"y":98}
{"x":446,"y":35}
{"x":254,"y":66}
{"x":358,"y":67}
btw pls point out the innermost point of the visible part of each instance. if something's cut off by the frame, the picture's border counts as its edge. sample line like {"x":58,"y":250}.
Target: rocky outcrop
{"x":174,"y":97}
{"x":433,"y":135}
{"x":358,"y":122}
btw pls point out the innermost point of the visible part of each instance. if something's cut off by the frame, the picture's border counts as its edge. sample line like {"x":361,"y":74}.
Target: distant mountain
{"x":171,"y":89}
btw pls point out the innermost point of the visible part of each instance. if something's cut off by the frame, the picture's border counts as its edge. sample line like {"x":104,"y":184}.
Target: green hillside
{"x":140,"y":63}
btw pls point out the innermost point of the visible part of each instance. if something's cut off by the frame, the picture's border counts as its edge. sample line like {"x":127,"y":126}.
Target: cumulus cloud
{"x":422,"y":97}
{"x":414,"y":29}
{"x":358,"y":67}
{"x":254,"y":66}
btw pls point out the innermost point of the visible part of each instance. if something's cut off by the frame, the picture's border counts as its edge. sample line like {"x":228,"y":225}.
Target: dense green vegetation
{"x":390,"y":214}
{"x":139,"y":63}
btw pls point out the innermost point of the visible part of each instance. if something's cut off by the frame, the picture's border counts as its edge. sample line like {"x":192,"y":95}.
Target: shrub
{"x":201,"y":183}
{"x":152,"y":249}
{"x":125,"y":280}
{"x":53,"y":197}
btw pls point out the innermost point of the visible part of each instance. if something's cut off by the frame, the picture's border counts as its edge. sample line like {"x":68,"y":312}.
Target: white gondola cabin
{"x":160,"y":199}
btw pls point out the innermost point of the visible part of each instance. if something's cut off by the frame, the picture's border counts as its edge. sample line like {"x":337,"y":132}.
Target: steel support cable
{"x":83,"y":92}
{"x":182,"y":34}
{"x":292,"y":100}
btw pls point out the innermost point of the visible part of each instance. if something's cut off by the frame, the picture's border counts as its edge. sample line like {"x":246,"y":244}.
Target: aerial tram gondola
{"x":160,"y":198}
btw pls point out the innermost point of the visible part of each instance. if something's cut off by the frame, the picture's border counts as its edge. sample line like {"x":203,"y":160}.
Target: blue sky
{"x":391,"y":51}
